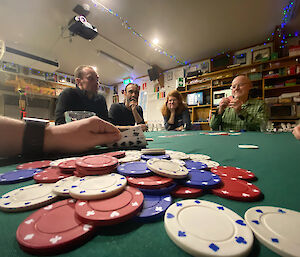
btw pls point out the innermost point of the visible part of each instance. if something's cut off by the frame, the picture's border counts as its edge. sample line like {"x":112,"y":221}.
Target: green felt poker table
{"x":276,"y":164}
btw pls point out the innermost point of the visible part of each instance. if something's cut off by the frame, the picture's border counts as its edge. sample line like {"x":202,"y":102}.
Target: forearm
{"x":138,"y":119}
{"x":11,"y":136}
{"x":254,"y":121}
{"x":171,"y":120}
{"x":216,"y":121}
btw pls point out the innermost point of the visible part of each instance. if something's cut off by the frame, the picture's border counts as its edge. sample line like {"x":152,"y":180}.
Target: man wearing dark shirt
{"x":128,"y":113}
{"x":84,"y":97}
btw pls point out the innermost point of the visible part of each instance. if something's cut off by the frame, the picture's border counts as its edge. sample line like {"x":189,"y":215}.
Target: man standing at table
{"x":84,"y":97}
{"x":238,"y":112}
{"x":128,"y":113}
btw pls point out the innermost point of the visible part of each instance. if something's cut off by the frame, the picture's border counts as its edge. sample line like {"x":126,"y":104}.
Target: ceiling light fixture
{"x":112,"y":58}
{"x":155,"y":41}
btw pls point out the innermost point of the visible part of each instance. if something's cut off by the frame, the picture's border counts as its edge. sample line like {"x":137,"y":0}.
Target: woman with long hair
{"x":175,"y":112}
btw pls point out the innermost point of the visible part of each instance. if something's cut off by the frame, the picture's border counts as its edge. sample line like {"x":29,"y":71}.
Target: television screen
{"x":195,"y":98}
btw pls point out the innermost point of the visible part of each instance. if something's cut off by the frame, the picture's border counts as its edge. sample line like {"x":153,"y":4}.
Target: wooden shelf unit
{"x":214,"y":82}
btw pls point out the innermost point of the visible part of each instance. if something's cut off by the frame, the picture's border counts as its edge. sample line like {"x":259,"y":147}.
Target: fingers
{"x":102,"y":126}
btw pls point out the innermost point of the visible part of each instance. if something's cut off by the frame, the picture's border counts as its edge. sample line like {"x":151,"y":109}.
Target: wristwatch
{"x":33,"y":138}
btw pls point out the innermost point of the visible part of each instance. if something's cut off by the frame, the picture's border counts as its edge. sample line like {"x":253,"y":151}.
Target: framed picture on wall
{"x":240,"y":58}
{"x":261,"y":55}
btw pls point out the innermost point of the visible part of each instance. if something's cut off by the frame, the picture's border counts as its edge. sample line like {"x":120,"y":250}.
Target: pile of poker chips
{"x":153,"y":182}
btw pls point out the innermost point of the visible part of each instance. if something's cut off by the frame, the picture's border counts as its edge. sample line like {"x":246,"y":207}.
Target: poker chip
{"x":198,"y":157}
{"x":276,"y":228}
{"x":159,"y":191}
{"x":28,"y":197}
{"x":62,"y":186}
{"x":237,"y":189}
{"x":186,"y":192}
{"x":180,"y":162}
{"x":50,"y":175}
{"x":193,"y":165}
{"x":133,"y":152}
{"x":222,"y":233}
{"x":134,"y":169}
{"x":53,"y":229}
{"x":167,"y":168}
{"x":130,"y":158}
{"x":233,"y":172}
{"x":16,"y":176}
{"x":96,"y":162}
{"x":177,"y":155}
{"x":98,"y":187}
{"x":34,"y":165}
{"x":117,"y":154}
{"x":202,"y":179}
{"x":113,"y":210}
{"x":88,"y":172}
{"x":154,"y":207}
{"x":68,"y":165}
{"x":154,"y":151}
{"x":150,"y":182}
{"x":149,"y":157}
{"x":210,"y":164}
{"x":57,"y":162}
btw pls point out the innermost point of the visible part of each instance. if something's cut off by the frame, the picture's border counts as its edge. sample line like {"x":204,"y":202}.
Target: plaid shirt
{"x":253,"y":116}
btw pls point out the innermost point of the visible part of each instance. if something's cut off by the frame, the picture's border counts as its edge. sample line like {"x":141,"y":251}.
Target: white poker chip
{"x":204,"y":228}
{"x":130,"y":158}
{"x":133,"y":152}
{"x":153,"y":151}
{"x":98,"y":187}
{"x":55,"y":163}
{"x":177,"y":155}
{"x":28,"y":197}
{"x":167,"y":168}
{"x":198,"y":157}
{"x":276,"y":228}
{"x":180,"y":162}
{"x":210,"y":163}
{"x":62,"y":186}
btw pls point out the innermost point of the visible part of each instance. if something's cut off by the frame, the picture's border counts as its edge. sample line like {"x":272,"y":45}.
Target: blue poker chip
{"x":159,"y":191}
{"x":16,"y":176}
{"x":192,"y":165}
{"x":134,"y":169}
{"x":202,"y":179}
{"x":148,"y":156}
{"x":154,"y":207}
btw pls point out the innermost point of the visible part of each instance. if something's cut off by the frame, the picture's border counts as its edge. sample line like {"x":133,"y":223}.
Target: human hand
{"x":133,"y":103}
{"x":236,"y":104}
{"x":144,"y":127}
{"x":223,"y":104}
{"x":296,"y":132}
{"x":179,"y":128}
{"x":79,"y":136}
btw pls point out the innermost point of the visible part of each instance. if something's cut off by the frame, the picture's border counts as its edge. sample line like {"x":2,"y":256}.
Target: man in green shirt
{"x":237,"y":112}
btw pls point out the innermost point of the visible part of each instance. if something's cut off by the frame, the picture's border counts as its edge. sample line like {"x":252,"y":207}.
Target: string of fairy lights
{"x":287,"y":14}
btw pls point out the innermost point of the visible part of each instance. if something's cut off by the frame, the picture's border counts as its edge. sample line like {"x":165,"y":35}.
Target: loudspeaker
{"x":154,"y":73}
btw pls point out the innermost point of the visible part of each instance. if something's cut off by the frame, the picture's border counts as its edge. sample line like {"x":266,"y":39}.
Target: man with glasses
{"x":84,"y":97}
{"x":238,"y":112}
{"x":128,"y":113}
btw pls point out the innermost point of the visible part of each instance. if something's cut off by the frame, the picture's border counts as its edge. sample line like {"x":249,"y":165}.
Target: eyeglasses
{"x":237,"y":86}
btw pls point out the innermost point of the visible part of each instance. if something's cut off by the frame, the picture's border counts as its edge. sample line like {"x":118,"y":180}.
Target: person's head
{"x":86,"y":78}
{"x":240,"y":87}
{"x":174,"y":100}
{"x":131,"y":93}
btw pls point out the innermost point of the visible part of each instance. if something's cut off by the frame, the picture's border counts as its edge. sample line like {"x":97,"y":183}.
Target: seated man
{"x":128,"y":113}
{"x":84,"y":97}
{"x":237,"y":112}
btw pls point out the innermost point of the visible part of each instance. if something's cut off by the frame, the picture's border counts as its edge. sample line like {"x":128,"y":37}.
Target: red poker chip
{"x":34,"y":165}
{"x":93,"y":162}
{"x":93,"y":172}
{"x":233,"y":172}
{"x":150,"y":182}
{"x":50,"y":175}
{"x":117,"y":154}
{"x":112,"y":210}
{"x":53,"y":229}
{"x":186,"y":192}
{"x":78,"y":174}
{"x":68,"y":165}
{"x":237,"y":189}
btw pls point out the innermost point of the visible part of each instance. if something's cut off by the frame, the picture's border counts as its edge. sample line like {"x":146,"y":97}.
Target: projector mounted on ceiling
{"x":79,"y":25}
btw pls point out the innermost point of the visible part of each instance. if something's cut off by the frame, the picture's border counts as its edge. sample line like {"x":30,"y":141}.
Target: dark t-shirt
{"x":120,"y":115}
{"x":75,"y":99}
{"x":182,"y":119}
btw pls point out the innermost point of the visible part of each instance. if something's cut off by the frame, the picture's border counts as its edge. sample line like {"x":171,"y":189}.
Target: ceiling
{"x":190,"y":29}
